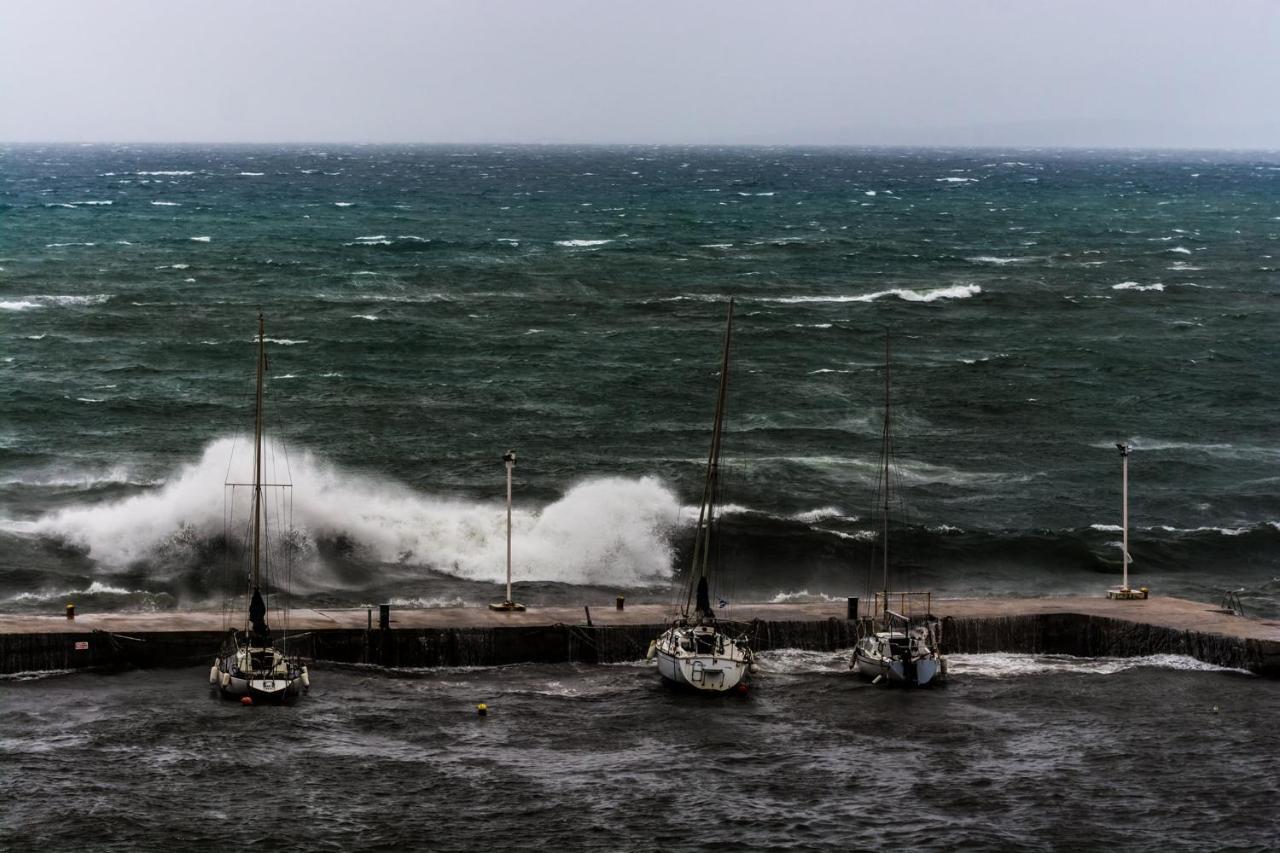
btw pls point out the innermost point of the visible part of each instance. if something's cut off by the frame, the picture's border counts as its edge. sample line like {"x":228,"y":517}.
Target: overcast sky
{"x":1161,"y":73}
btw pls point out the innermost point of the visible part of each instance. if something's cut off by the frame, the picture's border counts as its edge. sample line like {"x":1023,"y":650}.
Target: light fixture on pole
{"x":507,"y":604}
{"x":1123,"y":591}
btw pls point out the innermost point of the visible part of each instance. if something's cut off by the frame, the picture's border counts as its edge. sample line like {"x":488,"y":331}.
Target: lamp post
{"x":509,"y":458}
{"x":1124,"y":591}
{"x":1124,"y":514}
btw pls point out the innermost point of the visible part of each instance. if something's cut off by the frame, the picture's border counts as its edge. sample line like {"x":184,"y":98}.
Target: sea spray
{"x":610,"y":530}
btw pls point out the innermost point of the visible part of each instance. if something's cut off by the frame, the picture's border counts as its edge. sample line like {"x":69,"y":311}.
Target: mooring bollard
{"x":71,"y":611}
{"x":852,"y":615}
{"x":384,"y":616}
{"x":621,"y":599}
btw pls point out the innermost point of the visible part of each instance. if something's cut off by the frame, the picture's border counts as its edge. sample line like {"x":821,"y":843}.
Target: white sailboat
{"x":902,"y":645}
{"x":253,"y":665}
{"x":696,"y":651}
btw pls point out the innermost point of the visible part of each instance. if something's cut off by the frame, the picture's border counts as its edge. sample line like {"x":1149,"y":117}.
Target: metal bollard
{"x":621,"y":599}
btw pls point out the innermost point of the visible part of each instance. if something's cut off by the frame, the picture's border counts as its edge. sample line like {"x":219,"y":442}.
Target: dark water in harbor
{"x":429,"y":307}
{"x":1038,"y":754}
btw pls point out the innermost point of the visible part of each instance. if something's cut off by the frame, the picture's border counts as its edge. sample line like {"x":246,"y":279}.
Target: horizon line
{"x":568,"y":144}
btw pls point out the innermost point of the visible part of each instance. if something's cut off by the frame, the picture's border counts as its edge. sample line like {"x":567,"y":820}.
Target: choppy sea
{"x":428,"y":308}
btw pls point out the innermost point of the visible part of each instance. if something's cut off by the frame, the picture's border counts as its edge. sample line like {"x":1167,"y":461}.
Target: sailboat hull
{"x":893,"y":658}
{"x":282,"y":681}
{"x":681,"y":663}
{"x":928,"y":670}
{"x":267,"y":690}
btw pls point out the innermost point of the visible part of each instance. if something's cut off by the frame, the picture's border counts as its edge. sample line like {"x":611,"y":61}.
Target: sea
{"x":428,"y":308}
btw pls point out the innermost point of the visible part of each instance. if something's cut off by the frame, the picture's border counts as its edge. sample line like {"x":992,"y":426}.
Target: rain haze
{"x":1180,"y":74}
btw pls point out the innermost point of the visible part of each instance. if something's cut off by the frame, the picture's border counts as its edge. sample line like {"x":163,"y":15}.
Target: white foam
{"x":1133,"y":285}
{"x":429,"y":603}
{"x":802,"y":662}
{"x":956,"y":180}
{"x":281,"y":341}
{"x":95,"y":588}
{"x":955,"y":291}
{"x":1107,"y":528}
{"x":1010,"y":665}
{"x":610,"y":530}
{"x":363,"y":317}
{"x":343,"y":203}
{"x":172,"y":174}
{"x":802,"y":596}
{"x":54,"y":301}
{"x":1182,"y":250}
{"x":991,"y":259}
{"x":1223,"y":531}
{"x":166,"y":204}
{"x":869,"y":193}
{"x":821,"y":514}
{"x":201,"y":239}
{"x":574,"y":244}
{"x":64,"y":245}
{"x":251,"y":174}
{"x":63,"y":478}
{"x":1220,"y":449}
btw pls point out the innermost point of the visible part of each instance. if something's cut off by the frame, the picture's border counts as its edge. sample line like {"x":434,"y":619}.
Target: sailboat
{"x":695,"y":651}
{"x":902,"y":645}
{"x":253,"y":665}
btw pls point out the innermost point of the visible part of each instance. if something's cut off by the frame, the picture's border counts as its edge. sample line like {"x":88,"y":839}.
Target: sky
{"x":1119,"y":73}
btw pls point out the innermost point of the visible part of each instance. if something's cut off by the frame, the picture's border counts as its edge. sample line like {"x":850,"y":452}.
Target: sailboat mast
{"x":257,"y":459}
{"x":884,"y":453}
{"x":701,"y":542}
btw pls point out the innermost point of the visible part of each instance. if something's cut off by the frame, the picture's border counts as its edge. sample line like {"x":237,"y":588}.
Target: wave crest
{"x":609,"y":530}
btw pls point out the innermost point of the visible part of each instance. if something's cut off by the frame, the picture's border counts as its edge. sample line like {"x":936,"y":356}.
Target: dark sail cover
{"x":258,"y":614}
{"x":704,"y":598}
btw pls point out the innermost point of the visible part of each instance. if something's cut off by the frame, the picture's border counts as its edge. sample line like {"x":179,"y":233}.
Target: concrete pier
{"x":478,"y":636}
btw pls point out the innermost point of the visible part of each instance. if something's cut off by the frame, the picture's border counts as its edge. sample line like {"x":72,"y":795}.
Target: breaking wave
{"x":955,"y":291}
{"x":609,"y":530}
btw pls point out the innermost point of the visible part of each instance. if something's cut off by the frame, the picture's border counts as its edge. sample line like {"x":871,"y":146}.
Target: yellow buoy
{"x":482,"y":709}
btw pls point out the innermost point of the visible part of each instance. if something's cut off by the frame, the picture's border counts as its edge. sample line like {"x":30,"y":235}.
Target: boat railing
{"x":905,"y":605}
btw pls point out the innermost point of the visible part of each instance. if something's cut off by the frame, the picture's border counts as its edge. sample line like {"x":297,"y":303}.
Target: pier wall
{"x":1043,"y":633}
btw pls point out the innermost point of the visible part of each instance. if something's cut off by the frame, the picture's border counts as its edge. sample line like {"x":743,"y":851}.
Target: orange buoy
{"x":246,"y":700}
